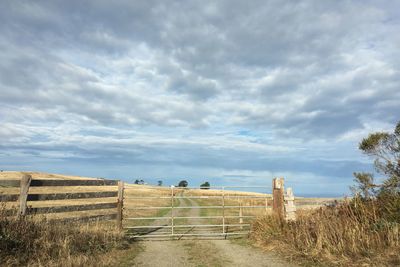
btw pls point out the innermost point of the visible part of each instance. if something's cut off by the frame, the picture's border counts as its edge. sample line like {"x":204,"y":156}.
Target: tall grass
{"x":37,"y":242}
{"x":352,"y":234}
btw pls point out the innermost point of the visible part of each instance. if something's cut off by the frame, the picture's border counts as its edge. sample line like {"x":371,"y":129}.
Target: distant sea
{"x":323,"y":195}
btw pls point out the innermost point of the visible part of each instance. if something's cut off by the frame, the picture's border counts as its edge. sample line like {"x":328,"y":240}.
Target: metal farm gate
{"x":175,"y":212}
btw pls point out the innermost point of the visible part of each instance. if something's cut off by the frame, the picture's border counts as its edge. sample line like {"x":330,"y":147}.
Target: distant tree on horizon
{"x":136,"y":181}
{"x":183,"y":183}
{"x":205,"y":185}
{"x":159,"y":183}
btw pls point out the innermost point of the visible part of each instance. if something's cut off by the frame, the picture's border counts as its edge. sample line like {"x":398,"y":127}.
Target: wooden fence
{"x":24,"y":197}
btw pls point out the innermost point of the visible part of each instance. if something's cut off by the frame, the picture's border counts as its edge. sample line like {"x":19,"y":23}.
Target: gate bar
{"x":223,"y":210}
{"x":184,"y":226}
{"x":205,"y":234}
{"x":200,"y":187}
{"x":172,"y":210}
{"x":198,"y":217}
{"x":193,"y":207}
{"x":200,"y":197}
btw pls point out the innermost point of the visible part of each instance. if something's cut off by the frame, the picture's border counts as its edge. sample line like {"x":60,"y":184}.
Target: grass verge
{"x":351,"y":234}
{"x":37,"y":242}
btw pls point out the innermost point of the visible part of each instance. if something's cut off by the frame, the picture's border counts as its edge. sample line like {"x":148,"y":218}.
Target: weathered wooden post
{"x":277,"y":196}
{"x":23,"y":195}
{"x":290,"y":208}
{"x":120,"y":204}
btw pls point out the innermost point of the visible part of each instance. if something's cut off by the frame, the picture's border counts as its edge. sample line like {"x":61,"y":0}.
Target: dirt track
{"x":210,"y":252}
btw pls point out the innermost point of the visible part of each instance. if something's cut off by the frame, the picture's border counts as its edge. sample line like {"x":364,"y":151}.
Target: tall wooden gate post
{"x":277,"y":196}
{"x":23,"y":195}
{"x":290,"y":207}
{"x":120,"y":204}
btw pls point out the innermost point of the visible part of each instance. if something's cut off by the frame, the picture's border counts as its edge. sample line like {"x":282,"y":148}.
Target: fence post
{"x":23,"y":195}
{"x":120,"y":204}
{"x":277,"y":195}
{"x":290,"y":208}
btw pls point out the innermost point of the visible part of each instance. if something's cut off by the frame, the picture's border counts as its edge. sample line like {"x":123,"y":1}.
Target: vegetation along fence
{"x":76,"y":197}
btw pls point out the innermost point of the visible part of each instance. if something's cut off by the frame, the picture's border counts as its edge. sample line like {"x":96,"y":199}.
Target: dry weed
{"x":350,"y":234}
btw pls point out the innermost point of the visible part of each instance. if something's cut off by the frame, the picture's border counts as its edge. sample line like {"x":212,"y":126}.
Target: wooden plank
{"x":120,"y":204}
{"x":23,"y":194}
{"x":99,"y":206}
{"x":9,"y":197}
{"x":49,"y":182}
{"x":60,"y":196}
{"x":9,"y":183}
{"x":88,"y":218}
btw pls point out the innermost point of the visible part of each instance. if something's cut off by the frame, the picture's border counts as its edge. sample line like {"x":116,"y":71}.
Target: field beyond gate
{"x":161,"y":212}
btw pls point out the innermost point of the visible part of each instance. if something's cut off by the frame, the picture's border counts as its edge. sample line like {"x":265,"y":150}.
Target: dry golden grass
{"x":11,"y":175}
{"x":28,"y":242}
{"x":351,"y":234}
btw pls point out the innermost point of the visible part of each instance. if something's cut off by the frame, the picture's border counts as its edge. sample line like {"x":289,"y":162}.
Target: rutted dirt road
{"x":211,"y":252}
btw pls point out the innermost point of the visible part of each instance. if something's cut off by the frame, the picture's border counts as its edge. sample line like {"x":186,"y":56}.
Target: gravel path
{"x":162,"y":253}
{"x":211,"y":252}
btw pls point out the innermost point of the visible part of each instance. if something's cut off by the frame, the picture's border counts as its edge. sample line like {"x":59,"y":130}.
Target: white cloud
{"x":178,"y":82}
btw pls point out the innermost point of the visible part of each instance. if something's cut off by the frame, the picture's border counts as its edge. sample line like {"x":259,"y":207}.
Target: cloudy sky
{"x":233,"y":92}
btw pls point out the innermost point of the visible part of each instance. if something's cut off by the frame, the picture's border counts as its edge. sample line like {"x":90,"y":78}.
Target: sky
{"x":230,"y":92}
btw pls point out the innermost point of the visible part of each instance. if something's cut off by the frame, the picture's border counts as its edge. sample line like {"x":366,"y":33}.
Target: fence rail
{"x":24,"y":198}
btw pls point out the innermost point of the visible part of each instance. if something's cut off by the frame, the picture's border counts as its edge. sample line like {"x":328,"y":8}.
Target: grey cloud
{"x":189,"y":155}
{"x":294,"y":71}
{"x":205,"y":41}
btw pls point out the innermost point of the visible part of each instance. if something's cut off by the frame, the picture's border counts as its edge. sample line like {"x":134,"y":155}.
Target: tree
{"x":364,"y":185}
{"x":205,"y":185}
{"x":159,"y":183}
{"x":183,"y":183}
{"x":136,"y":181}
{"x":385,"y":148}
